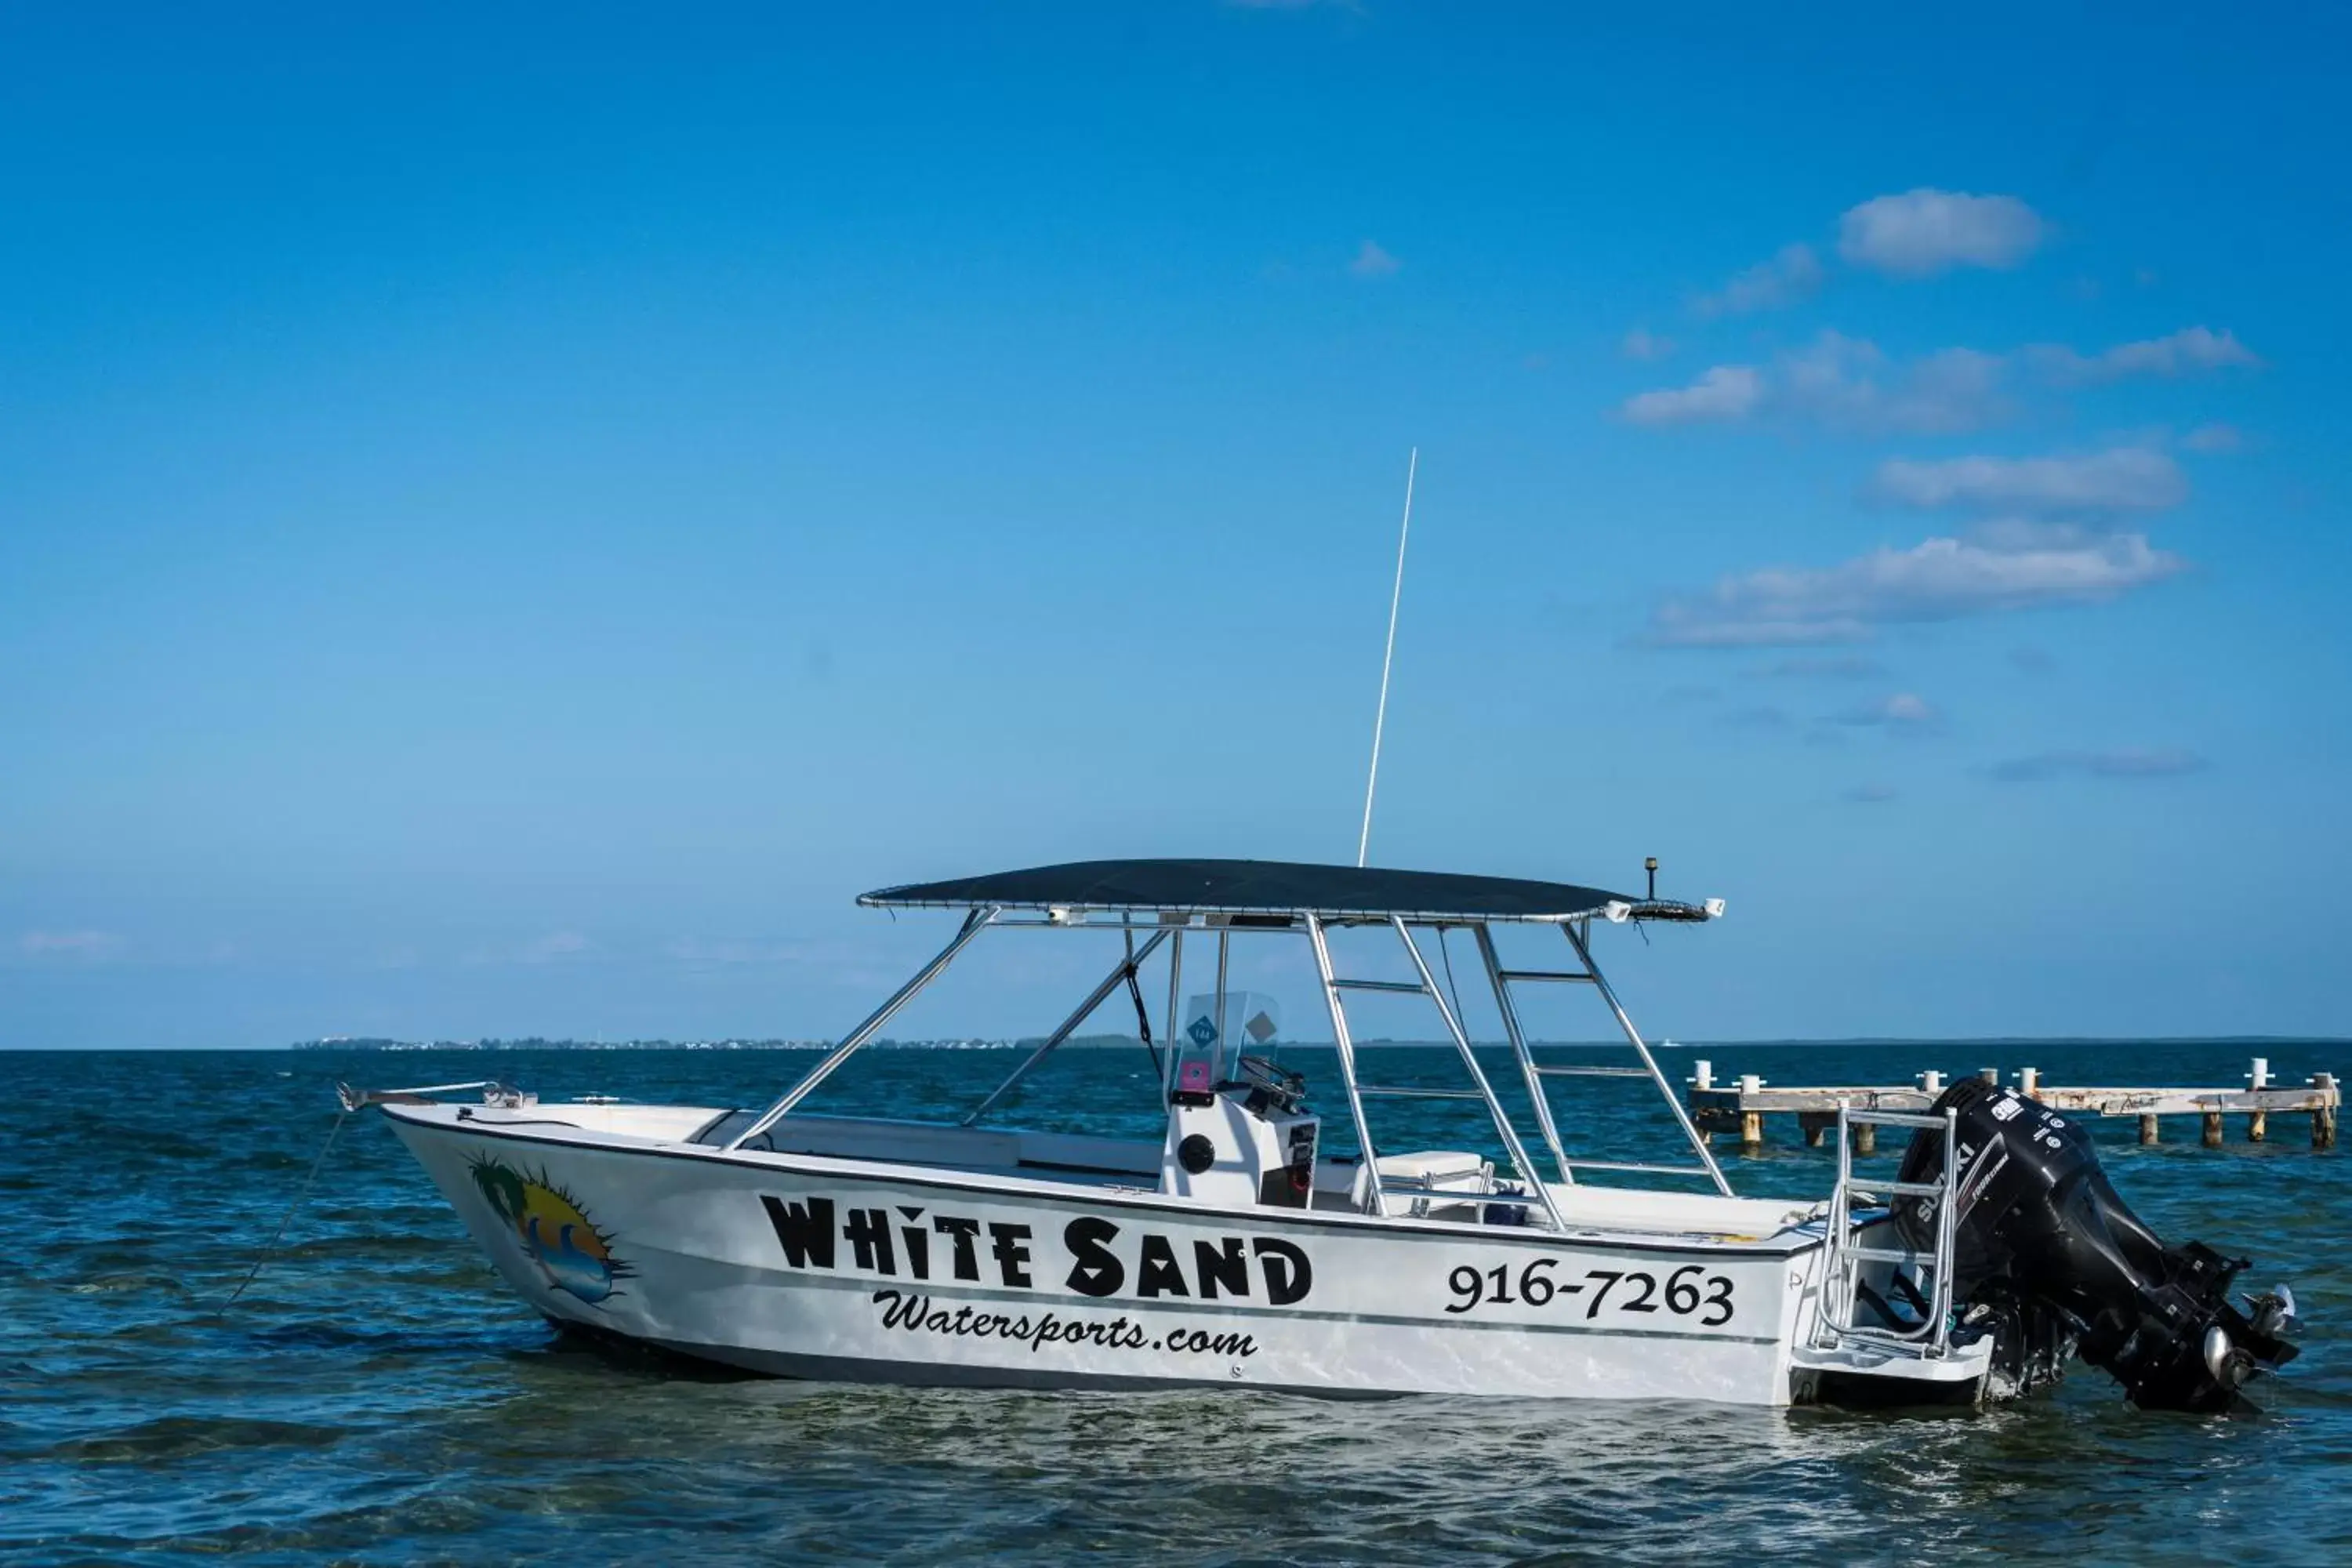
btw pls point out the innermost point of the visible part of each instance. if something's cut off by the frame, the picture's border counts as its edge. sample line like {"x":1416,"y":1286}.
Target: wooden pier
{"x":1739,"y":1105}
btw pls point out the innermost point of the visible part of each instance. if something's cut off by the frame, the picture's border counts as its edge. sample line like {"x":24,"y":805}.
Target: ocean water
{"x":378,"y":1396}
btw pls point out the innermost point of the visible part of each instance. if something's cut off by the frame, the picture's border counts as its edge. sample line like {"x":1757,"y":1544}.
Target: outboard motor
{"x":2049,"y":1258}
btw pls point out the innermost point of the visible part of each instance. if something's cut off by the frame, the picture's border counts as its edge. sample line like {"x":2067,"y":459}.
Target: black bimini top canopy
{"x":1277,"y":888}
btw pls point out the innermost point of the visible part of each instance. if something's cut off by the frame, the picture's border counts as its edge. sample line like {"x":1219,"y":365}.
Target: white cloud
{"x":2121,"y":478}
{"x":552,"y":948}
{"x":1845,"y":383}
{"x":2189,"y":349}
{"x":2162,"y":762}
{"x":730,"y":953}
{"x":1372,"y":261}
{"x":1923,"y":232}
{"x":1905,"y":713}
{"x":1848,"y":383}
{"x":1905,"y":710}
{"x":2013,"y":533}
{"x":1937,"y":580}
{"x":2215,"y":437}
{"x":1787,"y":276}
{"x":1836,"y":666}
{"x":1726,"y":392}
{"x":87,"y":946}
{"x":1642,"y":343}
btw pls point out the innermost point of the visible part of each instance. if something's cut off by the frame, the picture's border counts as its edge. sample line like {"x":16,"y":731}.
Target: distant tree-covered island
{"x":541,"y":1043}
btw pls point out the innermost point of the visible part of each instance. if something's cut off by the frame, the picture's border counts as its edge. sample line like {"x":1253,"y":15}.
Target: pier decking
{"x":1739,"y":1105}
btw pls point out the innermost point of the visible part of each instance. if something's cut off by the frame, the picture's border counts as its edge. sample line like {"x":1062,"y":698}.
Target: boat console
{"x":1244,"y":1140}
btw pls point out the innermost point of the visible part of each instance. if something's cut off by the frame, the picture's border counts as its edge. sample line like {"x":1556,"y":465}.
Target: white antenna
{"x":1396,"y":597}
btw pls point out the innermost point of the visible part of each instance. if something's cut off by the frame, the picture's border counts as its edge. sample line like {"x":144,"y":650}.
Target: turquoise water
{"x":378,"y":1396}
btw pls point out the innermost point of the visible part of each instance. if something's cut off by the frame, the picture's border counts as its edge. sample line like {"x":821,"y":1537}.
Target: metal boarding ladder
{"x":1334,"y":985}
{"x":1843,"y":1260}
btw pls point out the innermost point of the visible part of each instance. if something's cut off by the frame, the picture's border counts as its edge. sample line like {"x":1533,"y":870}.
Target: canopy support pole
{"x":1346,"y":1046}
{"x":1071,"y":1024}
{"x":1175,"y":980}
{"x":1502,"y":985}
{"x":1642,"y":1049}
{"x":1517,"y":1151}
{"x":1224,"y":945}
{"x":973,"y":925}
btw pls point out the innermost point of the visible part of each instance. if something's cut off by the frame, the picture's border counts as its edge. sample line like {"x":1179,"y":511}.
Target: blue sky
{"x":507,"y":525}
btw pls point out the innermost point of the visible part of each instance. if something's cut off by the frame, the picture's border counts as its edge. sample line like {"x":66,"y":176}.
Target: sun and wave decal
{"x":553,"y":1229}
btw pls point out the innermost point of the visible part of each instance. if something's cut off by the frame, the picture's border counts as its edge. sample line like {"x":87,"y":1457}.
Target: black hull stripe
{"x":938,"y":1374}
{"x":931,"y":1374}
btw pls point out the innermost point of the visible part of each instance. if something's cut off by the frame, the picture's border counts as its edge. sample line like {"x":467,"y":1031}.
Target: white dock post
{"x":1751,"y":1122}
{"x":2147,"y":1130}
{"x":2029,"y":1081}
{"x":1990,"y":1075}
{"x":1702,"y":1079}
{"x":2257,"y":1123}
{"x":1931,"y":1082}
{"x":2323,"y":1117}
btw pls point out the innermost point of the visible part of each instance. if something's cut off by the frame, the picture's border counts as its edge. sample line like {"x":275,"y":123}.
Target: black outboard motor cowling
{"x":2046,"y":1250}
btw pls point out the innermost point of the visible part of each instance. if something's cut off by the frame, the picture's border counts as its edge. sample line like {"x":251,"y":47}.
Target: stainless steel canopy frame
{"x":1168,"y":927}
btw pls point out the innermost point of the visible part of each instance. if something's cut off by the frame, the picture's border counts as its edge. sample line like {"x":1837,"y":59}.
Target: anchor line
{"x":1446,"y":953}
{"x":287,"y":1218}
{"x":1142,"y":1018}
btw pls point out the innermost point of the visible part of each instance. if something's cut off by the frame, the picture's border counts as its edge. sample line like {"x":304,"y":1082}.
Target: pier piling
{"x":1742,"y":1102}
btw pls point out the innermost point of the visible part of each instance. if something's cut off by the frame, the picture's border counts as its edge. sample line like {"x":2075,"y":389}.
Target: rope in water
{"x":287,"y":1218}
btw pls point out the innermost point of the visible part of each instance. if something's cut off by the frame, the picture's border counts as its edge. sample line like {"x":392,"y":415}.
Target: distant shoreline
{"x":1130,"y":1041}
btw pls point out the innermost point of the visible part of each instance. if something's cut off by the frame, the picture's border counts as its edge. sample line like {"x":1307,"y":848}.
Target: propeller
{"x":2273,"y":1311}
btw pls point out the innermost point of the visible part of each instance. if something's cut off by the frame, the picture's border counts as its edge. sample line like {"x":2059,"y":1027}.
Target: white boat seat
{"x":1408,"y":1179}
{"x":1448,"y":1168}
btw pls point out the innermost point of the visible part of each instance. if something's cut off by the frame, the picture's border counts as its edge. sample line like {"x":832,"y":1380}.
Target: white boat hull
{"x":812,"y":1267}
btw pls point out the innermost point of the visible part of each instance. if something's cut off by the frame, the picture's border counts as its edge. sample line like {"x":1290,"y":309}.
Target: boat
{"x":1243,"y":1248}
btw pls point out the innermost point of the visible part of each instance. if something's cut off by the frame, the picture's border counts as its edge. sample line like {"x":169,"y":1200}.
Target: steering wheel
{"x":1285,"y":1089}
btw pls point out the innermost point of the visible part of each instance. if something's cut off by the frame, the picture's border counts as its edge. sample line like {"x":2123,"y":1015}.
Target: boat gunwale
{"x":1790,"y":1241}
